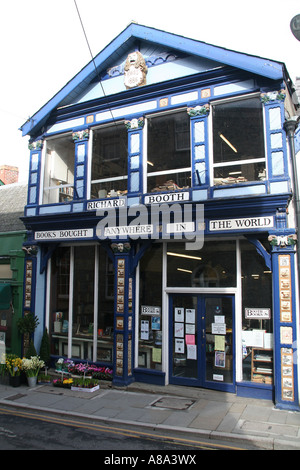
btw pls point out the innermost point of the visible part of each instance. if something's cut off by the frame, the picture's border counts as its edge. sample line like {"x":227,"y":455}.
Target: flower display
{"x":65,"y":383}
{"x":96,"y":372}
{"x":32,"y":366}
{"x":85,"y":383}
{"x":13,"y":364}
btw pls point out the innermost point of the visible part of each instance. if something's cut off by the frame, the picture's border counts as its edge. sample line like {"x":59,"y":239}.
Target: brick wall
{"x":9,"y":174}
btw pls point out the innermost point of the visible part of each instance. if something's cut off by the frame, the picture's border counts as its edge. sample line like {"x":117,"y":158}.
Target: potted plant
{"x":44,"y":379}
{"x":64,"y":383}
{"x":32,"y":367}
{"x":26,"y":326}
{"x":14,"y":366}
{"x":83,"y":384}
{"x":45,"y":348}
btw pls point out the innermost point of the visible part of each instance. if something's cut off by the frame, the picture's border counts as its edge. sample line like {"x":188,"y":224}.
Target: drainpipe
{"x":290,"y":125}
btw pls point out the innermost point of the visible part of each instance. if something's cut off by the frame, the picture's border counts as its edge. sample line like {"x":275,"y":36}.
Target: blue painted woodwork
{"x":235,"y":75}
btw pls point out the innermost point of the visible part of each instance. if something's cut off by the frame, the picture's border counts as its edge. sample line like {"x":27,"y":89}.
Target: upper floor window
{"x":109,"y":161}
{"x":59,"y":170}
{"x":168,"y":152}
{"x":238,"y":142}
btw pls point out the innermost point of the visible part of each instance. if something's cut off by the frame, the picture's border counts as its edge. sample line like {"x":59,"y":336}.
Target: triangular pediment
{"x":166,"y":56}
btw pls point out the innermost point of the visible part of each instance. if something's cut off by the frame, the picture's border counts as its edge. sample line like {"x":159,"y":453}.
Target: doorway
{"x":202,"y":341}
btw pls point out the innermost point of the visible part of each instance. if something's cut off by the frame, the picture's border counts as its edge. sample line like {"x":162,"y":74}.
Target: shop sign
{"x":180,"y":227}
{"x":106,"y":204}
{"x":241,"y":224}
{"x":150,"y":310}
{"x":65,"y":234}
{"x":167,"y":197}
{"x":258,"y":313}
{"x":126,"y":230}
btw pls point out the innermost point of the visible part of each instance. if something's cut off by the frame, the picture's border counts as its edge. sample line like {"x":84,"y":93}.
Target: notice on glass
{"x":219,"y":343}
{"x":179,"y":346}
{"x":144,"y":330}
{"x":179,"y":330}
{"x":218,"y":328}
{"x":190,"y":339}
{"x":190,"y":315}
{"x":179,"y":314}
{"x":191,"y":351}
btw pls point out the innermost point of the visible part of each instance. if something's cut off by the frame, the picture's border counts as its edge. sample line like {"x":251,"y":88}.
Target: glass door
{"x":202,"y":341}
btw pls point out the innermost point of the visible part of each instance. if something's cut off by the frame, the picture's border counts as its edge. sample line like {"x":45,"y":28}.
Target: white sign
{"x":218,"y":328}
{"x":241,"y":224}
{"x":66,"y":234}
{"x":168,"y":197}
{"x":105,"y":204}
{"x":180,"y":227}
{"x":128,"y":230}
{"x":259,"y":313}
{"x":150,"y":310}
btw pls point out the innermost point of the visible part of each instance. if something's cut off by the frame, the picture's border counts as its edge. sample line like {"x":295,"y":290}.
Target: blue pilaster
{"x":285,"y":320}
{"x":81,"y":139}
{"x":135,"y":155}
{"x":123,"y":316}
{"x":34,"y":173}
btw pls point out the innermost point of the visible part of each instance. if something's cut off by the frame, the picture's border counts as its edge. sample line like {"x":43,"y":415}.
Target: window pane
{"x":212,"y":266}
{"x":150,"y":326}
{"x":168,"y":149}
{"x":234,"y":174}
{"x":83,"y":302}
{"x":109,"y":161}
{"x":238,"y":136}
{"x":105,"y":308}
{"x":257,"y":330}
{"x":59,"y":299}
{"x":59,"y":170}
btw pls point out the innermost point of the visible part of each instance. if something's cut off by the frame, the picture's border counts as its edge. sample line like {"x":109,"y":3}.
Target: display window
{"x":168,"y":152}
{"x":150,"y":317}
{"x":238,"y":142}
{"x":212,"y":266}
{"x":82,"y":303}
{"x":59,"y":160}
{"x":257,"y":320}
{"x":109,"y":161}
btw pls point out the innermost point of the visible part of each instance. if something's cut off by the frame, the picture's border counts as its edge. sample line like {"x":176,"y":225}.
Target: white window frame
{"x":147,"y":175}
{"x":235,"y":162}
{"x":42,"y":175}
{"x":90,"y":159}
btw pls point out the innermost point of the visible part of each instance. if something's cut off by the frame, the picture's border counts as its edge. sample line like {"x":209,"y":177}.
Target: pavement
{"x":196,"y":412}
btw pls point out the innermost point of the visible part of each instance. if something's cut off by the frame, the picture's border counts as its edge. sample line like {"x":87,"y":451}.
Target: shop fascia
{"x":185,"y":221}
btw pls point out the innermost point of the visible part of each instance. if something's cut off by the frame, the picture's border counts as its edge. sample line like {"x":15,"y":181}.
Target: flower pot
{"x":32,"y":381}
{"x":14,"y":380}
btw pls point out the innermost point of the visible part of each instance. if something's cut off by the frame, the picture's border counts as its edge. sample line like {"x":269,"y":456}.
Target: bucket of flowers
{"x":32,"y":368}
{"x":13,"y":366}
{"x":83,"y":384}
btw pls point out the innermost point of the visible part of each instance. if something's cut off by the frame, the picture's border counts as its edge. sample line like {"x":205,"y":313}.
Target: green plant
{"x":31,"y":351}
{"x":45,"y":348}
{"x":28,"y":323}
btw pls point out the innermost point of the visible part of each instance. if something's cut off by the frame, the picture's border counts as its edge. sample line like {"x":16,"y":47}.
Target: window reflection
{"x":212,"y":266}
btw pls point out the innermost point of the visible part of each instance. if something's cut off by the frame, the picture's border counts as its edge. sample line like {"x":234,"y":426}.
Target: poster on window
{"x":190,"y":315}
{"x":179,"y":330}
{"x":179,"y":346}
{"x":179,"y":314}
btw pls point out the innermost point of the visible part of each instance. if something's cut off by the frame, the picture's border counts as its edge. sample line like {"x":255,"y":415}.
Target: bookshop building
{"x":160,"y":205}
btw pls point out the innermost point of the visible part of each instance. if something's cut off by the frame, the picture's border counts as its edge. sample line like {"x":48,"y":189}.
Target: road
{"x":31,"y":430}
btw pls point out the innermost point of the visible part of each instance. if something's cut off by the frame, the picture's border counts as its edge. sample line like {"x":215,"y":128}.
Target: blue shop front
{"x":161,"y":212}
